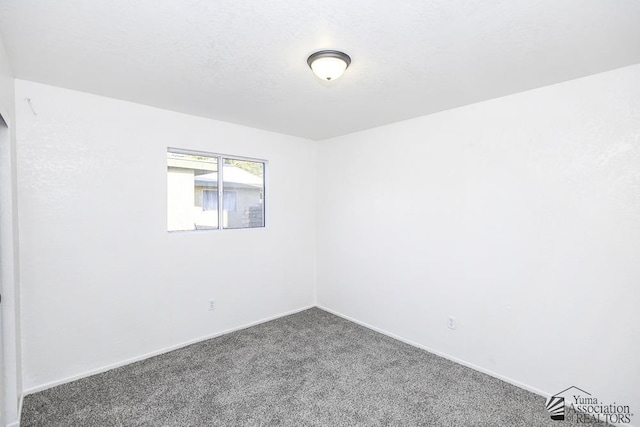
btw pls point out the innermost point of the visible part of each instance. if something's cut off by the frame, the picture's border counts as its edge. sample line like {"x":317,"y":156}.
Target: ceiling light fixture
{"x":328,"y":64}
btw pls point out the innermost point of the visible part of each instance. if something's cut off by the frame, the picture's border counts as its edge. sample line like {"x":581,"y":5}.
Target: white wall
{"x":519,"y":216}
{"x":102,"y":279}
{"x":9,"y":261}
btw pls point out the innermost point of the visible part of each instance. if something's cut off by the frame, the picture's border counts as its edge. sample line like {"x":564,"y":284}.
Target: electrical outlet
{"x":451,"y":322}
{"x":212,"y":304}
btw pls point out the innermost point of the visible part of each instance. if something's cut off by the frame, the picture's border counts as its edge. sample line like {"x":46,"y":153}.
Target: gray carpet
{"x":308,"y":369}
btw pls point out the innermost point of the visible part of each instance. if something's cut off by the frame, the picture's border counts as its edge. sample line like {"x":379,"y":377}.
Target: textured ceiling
{"x":244,"y":61}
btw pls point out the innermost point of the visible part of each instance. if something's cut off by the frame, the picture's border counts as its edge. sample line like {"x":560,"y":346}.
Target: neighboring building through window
{"x":193,"y":193}
{"x":210,"y":200}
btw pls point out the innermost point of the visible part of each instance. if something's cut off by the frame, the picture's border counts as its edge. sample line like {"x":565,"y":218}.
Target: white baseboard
{"x":257,"y":322}
{"x":102,"y":369}
{"x":449,"y":357}
{"x":441,"y":354}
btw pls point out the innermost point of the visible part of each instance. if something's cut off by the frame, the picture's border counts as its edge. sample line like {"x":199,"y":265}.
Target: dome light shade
{"x":328,"y":64}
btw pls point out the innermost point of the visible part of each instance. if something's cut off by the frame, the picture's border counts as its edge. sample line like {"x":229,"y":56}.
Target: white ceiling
{"x":244,"y":61}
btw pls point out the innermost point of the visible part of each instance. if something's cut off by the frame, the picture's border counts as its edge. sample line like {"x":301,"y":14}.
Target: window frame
{"x":220,"y":162}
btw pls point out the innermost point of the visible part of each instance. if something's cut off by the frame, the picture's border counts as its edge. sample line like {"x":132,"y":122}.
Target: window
{"x":194,"y":196}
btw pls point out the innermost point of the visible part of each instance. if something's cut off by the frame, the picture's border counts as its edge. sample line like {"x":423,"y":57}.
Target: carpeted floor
{"x":308,"y":369}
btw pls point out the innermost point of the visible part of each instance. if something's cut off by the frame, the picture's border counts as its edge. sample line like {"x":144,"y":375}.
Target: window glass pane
{"x":192,"y":192}
{"x":243,"y":201}
{"x":209,"y":200}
